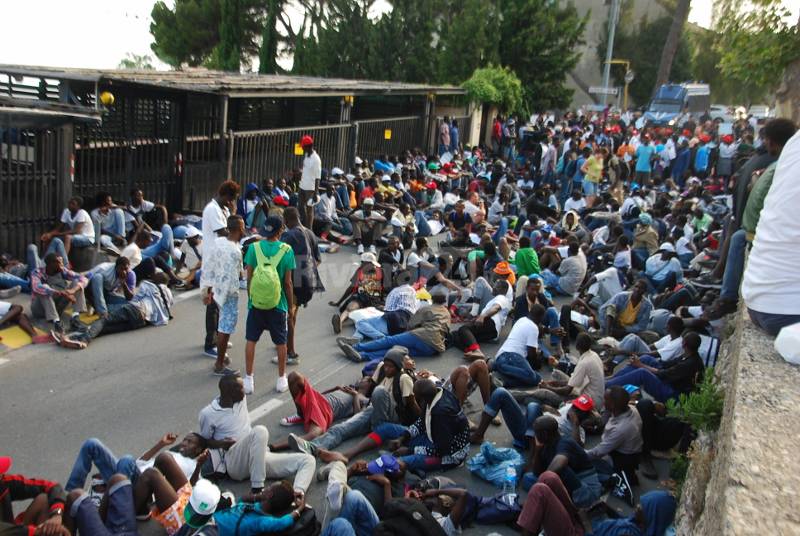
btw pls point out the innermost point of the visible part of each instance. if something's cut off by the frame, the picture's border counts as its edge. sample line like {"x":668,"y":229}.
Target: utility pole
{"x":612,"y":27}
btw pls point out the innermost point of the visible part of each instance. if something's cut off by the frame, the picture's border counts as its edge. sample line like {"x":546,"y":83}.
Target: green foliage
{"x":755,"y":43}
{"x":495,"y":85}
{"x":642,"y":47}
{"x":469,"y":40}
{"x":189,"y":31}
{"x":678,"y":469}
{"x":229,"y":50}
{"x":270,"y":39}
{"x":135,"y":61}
{"x":702,"y":408}
{"x":538,"y":40}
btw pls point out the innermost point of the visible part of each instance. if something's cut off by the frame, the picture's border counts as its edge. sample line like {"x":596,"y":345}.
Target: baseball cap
{"x":370,"y":258}
{"x":192,"y":232}
{"x":386,"y":178}
{"x":386,"y":463}
{"x":583,"y":403}
{"x":666,"y":246}
{"x":433,"y":166}
{"x":431,"y":185}
{"x":645,"y":218}
{"x":202,"y":503}
{"x":358,"y":161}
{"x":337,"y":171}
{"x":630,"y":388}
{"x":306,"y":140}
{"x":280,"y":201}
{"x":5,"y":464}
{"x":368,"y":201}
{"x":273,"y":224}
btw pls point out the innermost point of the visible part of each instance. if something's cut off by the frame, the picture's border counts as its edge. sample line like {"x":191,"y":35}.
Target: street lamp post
{"x":612,"y":27}
{"x":629,"y":76}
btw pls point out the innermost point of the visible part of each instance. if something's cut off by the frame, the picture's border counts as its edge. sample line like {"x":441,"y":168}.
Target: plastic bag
{"x":787,"y":343}
{"x":491,"y":463}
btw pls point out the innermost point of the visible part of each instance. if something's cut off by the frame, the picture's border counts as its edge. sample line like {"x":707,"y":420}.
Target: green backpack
{"x":266,"y":285}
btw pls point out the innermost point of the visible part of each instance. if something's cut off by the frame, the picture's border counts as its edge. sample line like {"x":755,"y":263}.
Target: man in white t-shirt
{"x":771,"y":288}
{"x":519,"y":351}
{"x":576,"y":202}
{"x":75,"y":229}
{"x":487,"y":325}
{"x":215,"y":224}
{"x":309,"y":181}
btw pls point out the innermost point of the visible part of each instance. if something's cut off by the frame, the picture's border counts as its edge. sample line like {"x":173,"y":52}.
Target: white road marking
{"x":3,"y":361}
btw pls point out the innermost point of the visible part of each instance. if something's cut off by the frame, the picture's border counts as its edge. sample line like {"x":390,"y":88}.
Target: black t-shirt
{"x":578,"y":459}
{"x":374,"y":492}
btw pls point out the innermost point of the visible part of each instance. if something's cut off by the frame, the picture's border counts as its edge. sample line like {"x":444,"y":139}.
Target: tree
{"x":228,"y":55}
{"x":270,"y":39}
{"x":189,"y":32}
{"x":671,"y":44}
{"x":756,"y":42}
{"x":538,"y":40}
{"x":135,"y":61}
{"x":641,"y":47}
{"x":469,"y":39}
{"x":495,"y":85}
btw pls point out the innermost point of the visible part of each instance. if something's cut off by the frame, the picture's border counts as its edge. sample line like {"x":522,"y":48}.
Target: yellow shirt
{"x":628,"y":316}
{"x":594,"y":169}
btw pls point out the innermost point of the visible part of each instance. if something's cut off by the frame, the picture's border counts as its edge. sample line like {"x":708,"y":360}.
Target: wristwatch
{"x":56,"y":512}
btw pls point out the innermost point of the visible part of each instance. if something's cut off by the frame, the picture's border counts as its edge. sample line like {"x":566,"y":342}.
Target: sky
{"x":98,"y":33}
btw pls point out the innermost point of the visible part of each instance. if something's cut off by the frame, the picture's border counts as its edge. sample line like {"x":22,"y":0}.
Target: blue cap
{"x":386,"y":463}
{"x":630,"y":388}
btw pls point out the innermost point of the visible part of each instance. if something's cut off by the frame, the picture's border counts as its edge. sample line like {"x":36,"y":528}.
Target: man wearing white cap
{"x":367,"y":225}
{"x":663,"y":270}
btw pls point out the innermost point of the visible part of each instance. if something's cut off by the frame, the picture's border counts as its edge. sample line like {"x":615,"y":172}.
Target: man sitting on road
{"x":240,"y":450}
{"x":53,"y":288}
{"x":627,"y":312}
{"x":111,"y":283}
{"x":43,"y":516}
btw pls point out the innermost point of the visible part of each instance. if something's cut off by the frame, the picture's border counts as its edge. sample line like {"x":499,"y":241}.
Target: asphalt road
{"x":130,"y":389}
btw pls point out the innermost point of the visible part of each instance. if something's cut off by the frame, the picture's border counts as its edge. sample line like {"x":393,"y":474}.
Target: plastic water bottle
{"x":509,"y":493}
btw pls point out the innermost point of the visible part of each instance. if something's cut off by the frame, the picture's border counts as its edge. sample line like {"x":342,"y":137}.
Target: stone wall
{"x":746,"y":478}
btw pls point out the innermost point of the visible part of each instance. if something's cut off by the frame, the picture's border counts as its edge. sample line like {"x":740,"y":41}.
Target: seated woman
{"x":365,"y":290}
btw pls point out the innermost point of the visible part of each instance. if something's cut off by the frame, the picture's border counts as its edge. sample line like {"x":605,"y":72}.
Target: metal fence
{"x":464,"y":132}
{"x":263,"y":154}
{"x":31,"y":193}
{"x":390,"y":136}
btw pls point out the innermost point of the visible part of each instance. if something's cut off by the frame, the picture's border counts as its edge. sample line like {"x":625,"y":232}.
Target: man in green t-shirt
{"x":526,"y":260}
{"x":272,"y":320}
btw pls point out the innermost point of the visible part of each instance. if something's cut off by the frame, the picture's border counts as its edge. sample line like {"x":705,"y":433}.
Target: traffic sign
{"x":597,"y":90}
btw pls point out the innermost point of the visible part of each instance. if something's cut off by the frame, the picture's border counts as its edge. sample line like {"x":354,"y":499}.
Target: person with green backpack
{"x":269,"y":264}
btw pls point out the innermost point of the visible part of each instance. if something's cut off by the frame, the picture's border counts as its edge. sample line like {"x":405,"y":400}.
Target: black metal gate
{"x":136,"y":145}
{"x":31,"y":196}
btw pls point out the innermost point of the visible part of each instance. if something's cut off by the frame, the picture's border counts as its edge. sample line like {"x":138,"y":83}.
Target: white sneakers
{"x":283,"y":384}
{"x":372,"y":249}
{"x":249,"y":384}
{"x":360,"y":249}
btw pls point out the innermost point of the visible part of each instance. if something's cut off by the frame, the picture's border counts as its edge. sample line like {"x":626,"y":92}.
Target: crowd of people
{"x":600,"y":258}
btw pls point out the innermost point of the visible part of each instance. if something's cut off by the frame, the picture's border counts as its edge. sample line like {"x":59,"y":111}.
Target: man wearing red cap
{"x":43,"y":515}
{"x":309,"y":181}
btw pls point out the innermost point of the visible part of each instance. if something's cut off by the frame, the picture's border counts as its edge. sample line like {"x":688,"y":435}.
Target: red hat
{"x":5,"y":464}
{"x":686,"y":132}
{"x":280,"y":201}
{"x":705,"y":138}
{"x":727,"y":138}
{"x":306,"y":140}
{"x":431,"y":185}
{"x":583,"y":403}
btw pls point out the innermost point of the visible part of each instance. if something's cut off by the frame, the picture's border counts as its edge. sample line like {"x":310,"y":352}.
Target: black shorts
{"x":302,"y":295}
{"x":272,"y":320}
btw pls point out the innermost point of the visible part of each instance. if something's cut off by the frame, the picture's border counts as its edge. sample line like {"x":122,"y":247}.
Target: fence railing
{"x":391,"y":136}
{"x":464,"y":129}
{"x":31,"y":195}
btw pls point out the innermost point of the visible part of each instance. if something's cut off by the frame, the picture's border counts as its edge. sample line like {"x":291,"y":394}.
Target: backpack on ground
{"x":405,"y":516}
{"x":266,"y":285}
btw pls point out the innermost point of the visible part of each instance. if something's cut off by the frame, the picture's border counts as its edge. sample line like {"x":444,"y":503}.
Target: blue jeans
{"x":116,"y":226}
{"x":660,"y":285}
{"x":423,"y":229}
{"x":342,"y":197}
{"x":165,"y":243}
{"x":644,"y":379}
{"x":734,"y":267}
{"x":56,"y":246}
{"x":7,"y":281}
{"x":339,"y":527}
{"x":515,"y":370}
{"x":93,"y":451}
{"x":99,"y":296}
{"x":357,"y":517}
{"x":519,"y":421}
{"x":502,"y":229}
{"x":415,"y":462}
{"x":371,"y":328}
{"x":770,"y":322}
{"x":551,"y":281}
{"x":551,"y":321}
{"x":377,"y":349}
{"x":631,"y":343}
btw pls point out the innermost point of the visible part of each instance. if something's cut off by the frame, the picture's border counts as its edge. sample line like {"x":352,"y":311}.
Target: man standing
{"x":269,"y":264}
{"x":309,"y":181}
{"x":644,"y":157}
{"x":215,"y":223}
{"x":220,"y":283}
{"x":306,"y":280}
{"x":444,"y":136}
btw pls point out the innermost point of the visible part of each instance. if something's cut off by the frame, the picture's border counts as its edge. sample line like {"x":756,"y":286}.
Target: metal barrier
{"x":31,"y":195}
{"x":390,"y":136}
{"x":464,"y":130}
{"x":268,"y":154}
